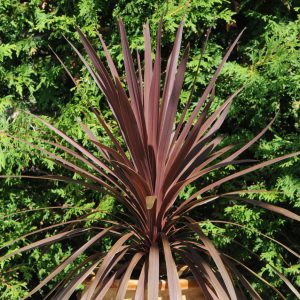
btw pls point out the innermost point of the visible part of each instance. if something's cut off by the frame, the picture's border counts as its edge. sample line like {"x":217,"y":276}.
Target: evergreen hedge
{"x":267,"y":61}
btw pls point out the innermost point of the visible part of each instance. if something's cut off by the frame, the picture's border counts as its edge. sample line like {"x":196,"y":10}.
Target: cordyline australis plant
{"x":160,"y":158}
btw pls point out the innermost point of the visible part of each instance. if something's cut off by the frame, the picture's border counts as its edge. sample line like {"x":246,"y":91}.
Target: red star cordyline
{"x":158,"y":159}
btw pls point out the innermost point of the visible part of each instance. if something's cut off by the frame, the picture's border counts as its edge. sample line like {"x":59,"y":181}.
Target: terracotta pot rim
{"x":185,"y":283}
{"x":189,"y":287}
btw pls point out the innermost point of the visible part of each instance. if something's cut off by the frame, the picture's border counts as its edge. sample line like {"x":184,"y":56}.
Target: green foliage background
{"x":267,"y":61}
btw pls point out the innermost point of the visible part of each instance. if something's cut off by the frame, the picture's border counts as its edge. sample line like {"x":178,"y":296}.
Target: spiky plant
{"x":158,"y":158}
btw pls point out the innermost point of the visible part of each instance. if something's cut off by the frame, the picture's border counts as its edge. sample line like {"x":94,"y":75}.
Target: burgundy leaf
{"x":125,"y":279}
{"x":216,"y":257}
{"x":172,"y":274}
{"x":141,"y":286}
{"x":153,"y":273}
